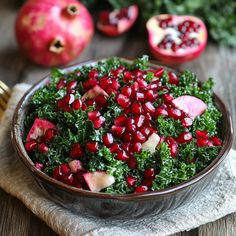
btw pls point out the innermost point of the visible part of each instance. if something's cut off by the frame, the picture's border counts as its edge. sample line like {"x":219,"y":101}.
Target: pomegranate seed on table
{"x":184,"y":137}
{"x":77,"y":104}
{"x":50,"y":134}
{"x":141,"y":189}
{"x":76,"y":151}
{"x":173,"y":79}
{"x":216,"y":141}
{"x":93,"y":115}
{"x":131,"y":181}
{"x":149,"y":173}
{"x":98,"y":122}
{"x":43,"y":148}
{"x":92,"y":146}
{"x":107,"y":139}
{"x":202,"y":134}
{"x":31,"y":145}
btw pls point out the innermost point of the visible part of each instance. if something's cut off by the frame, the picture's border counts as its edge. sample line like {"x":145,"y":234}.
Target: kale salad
{"x":122,"y":127}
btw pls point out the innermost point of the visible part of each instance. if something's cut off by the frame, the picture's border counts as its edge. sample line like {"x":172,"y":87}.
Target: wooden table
{"x":217,"y":62}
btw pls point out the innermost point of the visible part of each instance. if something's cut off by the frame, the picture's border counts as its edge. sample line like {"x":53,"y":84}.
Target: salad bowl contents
{"x":137,"y":137}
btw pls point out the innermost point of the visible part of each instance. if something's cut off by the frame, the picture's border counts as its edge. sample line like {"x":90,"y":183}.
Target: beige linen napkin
{"x":216,"y":201}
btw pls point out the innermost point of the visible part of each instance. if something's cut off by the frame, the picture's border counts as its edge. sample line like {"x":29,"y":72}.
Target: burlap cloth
{"x":216,"y":201}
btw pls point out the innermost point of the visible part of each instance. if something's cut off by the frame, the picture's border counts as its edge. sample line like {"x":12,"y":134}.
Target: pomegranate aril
{"x":101,"y":101}
{"x":130,"y":125}
{"x":149,"y":173}
{"x":159,"y":72}
{"x":148,"y":107}
{"x":31,"y":145}
{"x":160,"y":112}
{"x":43,"y":148}
{"x":138,"y":73}
{"x":139,"y":96}
{"x":141,"y":189}
{"x":202,"y":142}
{"x":128,"y":76}
{"x":148,"y":117}
{"x":64,"y":169}
{"x":184,"y":137}
{"x":149,"y":95}
{"x":115,"y":84}
{"x":69,"y":99}
{"x":61,"y":103}
{"x":135,"y":87}
{"x":139,"y":137}
{"x":67,"y":108}
{"x":126,"y":147}
{"x":186,"y":122}
{"x":146,"y":131}
{"x":216,"y":141}
{"x":98,"y":122}
{"x":202,"y":134}
{"x":127,"y":137}
{"x":107,"y":139}
{"x":56,"y":174}
{"x":114,"y":148}
{"x":60,"y":84}
{"x":83,"y":107}
{"x":167,"y":98}
{"x":89,"y":102}
{"x":105,"y":82}
{"x":126,"y":91}
{"x":173,"y":146}
{"x":77,"y":104}
{"x":117,"y":130}
{"x":136,"y":148}
{"x":68,"y":179}
{"x":173,"y":79}
{"x":142,"y":83}
{"x":39,"y":166}
{"x":122,"y":156}
{"x":147,"y":182}
{"x":76,"y":151}
{"x":123,"y":101}
{"x":71,"y":86}
{"x":120,"y":120}
{"x":92,"y":115}
{"x":93,"y":74}
{"x":49,"y":134}
{"x":132,"y":163}
{"x":131,"y":181}
{"x":136,"y":108}
{"x":139,"y":120}
{"x":89,"y":83}
{"x":175,"y":113}
{"x":92,"y":146}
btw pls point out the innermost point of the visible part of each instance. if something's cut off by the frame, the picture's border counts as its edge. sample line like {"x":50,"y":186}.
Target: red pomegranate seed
{"x":136,"y":108}
{"x":136,"y":147}
{"x":149,"y":95}
{"x":148,"y":107}
{"x":130,"y":125}
{"x":93,"y":115}
{"x":98,"y":122}
{"x":154,"y":85}
{"x":216,"y":141}
{"x":123,"y":101}
{"x":50,"y":134}
{"x":184,"y":137}
{"x":142,"y":83}
{"x":202,"y":142}
{"x":127,"y":137}
{"x":149,"y":173}
{"x":101,"y":101}
{"x":139,"y":137}
{"x":43,"y":148}
{"x":141,"y":189}
{"x":68,"y":179}
{"x":76,"y":150}
{"x":77,"y":104}
{"x":89,"y":83}
{"x":117,"y":130}
{"x":126,"y":147}
{"x":132,"y":163}
{"x":186,"y":122}
{"x":39,"y":166}
{"x":61,"y":103}
{"x":159,"y":72}
{"x":105,"y":82}
{"x":139,"y":96}
{"x":60,"y":84}
{"x":173,"y":146}
{"x":122,"y":156}
{"x":147,"y":182}
{"x":67,"y":108}
{"x":93,"y":74}
{"x":173,"y":79}
{"x":148,"y":117}
{"x":160,"y":112}
{"x":89,"y":102}
{"x":115,"y":84}
{"x":64,"y":169}
{"x":56,"y":173}
{"x":83,"y":107}
{"x":126,"y":91}
{"x":31,"y":145}
{"x":128,"y":76}
{"x":134,"y":87}
{"x":139,"y":120}
{"x":138,"y":73}
{"x":71,"y":86}
{"x":146,"y":131}
{"x":131,"y":181}
{"x":92,"y":146}
{"x":120,"y":120}
{"x":175,"y":113}
{"x":114,"y":148}
{"x":107,"y":139}
{"x":202,"y":134}
{"x":167,"y":98}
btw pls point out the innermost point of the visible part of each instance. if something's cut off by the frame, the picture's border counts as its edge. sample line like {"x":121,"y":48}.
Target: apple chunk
{"x":98,"y":180}
{"x":191,"y":105}
{"x":94,"y":92}
{"x":151,"y":143}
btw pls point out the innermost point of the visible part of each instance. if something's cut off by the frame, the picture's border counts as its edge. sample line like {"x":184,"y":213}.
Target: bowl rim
{"x":19,"y":146}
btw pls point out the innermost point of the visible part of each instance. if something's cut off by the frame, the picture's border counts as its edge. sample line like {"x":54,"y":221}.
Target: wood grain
{"x":217,"y":62}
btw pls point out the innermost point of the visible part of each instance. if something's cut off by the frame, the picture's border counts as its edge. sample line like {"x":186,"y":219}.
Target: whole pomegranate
{"x":53,"y":33}
{"x":176,"y":39}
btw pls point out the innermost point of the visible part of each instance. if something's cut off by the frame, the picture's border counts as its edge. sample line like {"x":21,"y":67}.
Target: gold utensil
{"x":5,"y":94}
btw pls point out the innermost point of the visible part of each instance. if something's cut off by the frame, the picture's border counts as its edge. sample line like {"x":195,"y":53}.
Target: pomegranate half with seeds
{"x":176,"y":39}
{"x":116,"y":22}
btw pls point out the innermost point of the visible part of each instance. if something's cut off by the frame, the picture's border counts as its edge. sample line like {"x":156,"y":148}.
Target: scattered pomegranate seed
{"x":138,"y":73}
{"x":98,"y":122}
{"x":50,"y":134}
{"x":127,"y":137}
{"x":89,"y":83}
{"x":136,"y":147}
{"x":43,"y":148}
{"x":216,"y":141}
{"x":173,"y":146}
{"x":167,"y":98}
{"x":101,"y":100}
{"x":139,"y":137}
{"x":126,"y":91}
{"x":71,"y":86}
{"x":120,"y":120}
{"x":142,"y":83}
{"x":134,"y":87}
{"x":89,"y":102}
{"x":114,"y":148}
{"x":123,"y":101}
{"x":77,"y":104}
{"x":186,"y":122}
{"x":83,"y":107}
{"x":139,"y":96}
{"x":148,"y":117}
{"x":61,"y":103}
{"x":146,"y":131}
{"x":115,"y":84}
{"x":136,"y":108}
{"x":202,"y":134}
{"x":93,"y":115}
{"x":159,"y":72}
{"x":173,"y":79}
{"x":148,"y":107}
{"x":60,"y":84}
{"x":202,"y":142}
{"x":64,"y":169}
{"x":149,"y":95}
{"x":132,"y":163}
{"x":149,"y":173}
{"x":184,"y":137}
{"x":141,"y":189}
{"x":130,"y":125}
{"x":67,"y":108}
{"x":68,"y":179}
{"x":160,"y":112}
{"x":31,"y":145}
{"x":139,"y":120}
{"x":122,"y":156}
{"x":76,"y":151}
{"x":175,"y":113}
{"x":131,"y":181}
{"x":107,"y":139}
{"x":69,"y":98}
{"x":128,"y":76}
{"x":92,"y":146}
{"x":93,"y":74}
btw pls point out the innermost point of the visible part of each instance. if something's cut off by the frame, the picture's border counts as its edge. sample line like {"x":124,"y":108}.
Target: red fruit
{"x":130,"y":125}
{"x":77,"y":104}
{"x":76,"y":151}
{"x":92,"y":146}
{"x":122,"y":156}
{"x":184,"y":137}
{"x":186,"y":122}
{"x":136,"y":108}
{"x":149,"y":173}
{"x":142,"y":83}
{"x":216,"y":141}
{"x":67,"y":179}
{"x":148,"y":117}
{"x":128,"y":76}
{"x":147,"y":182}
{"x":38,"y":129}
{"x":50,"y":134}
{"x":117,"y":130}
{"x":159,"y":72}
{"x":93,"y":74}
{"x":167,"y":98}
{"x":139,"y":137}
{"x":30,"y":145}
{"x":136,"y":147}
{"x":75,"y":166}
{"x":98,"y":122}
{"x":176,"y":39}
{"x":50,"y":31}
{"x":132,"y":162}
{"x":160,"y":112}
{"x":202,"y":134}
{"x":60,"y":84}
{"x":127,"y":137}
{"x":146,"y":131}
{"x":43,"y":148}
{"x":149,"y":95}
{"x":175,"y":114}
{"x":89,"y":83}
{"x":191,"y":105}
{"x":120,"y":120}
{"x":131,"y":181}
{"x":202,"y":142}
{"x":122,"y":100}
{"x":117,"y":22}
{"x":173,"y":79}
{"x":107,"y":139}
{"x":70,"y":87}
{"x":115,"y":84}
{"x":39,"y":166}
{"x":61,"y":170}
{"x":139,"y":120}
{"x":126,"y":91}
{"x":173,"y":146}
{"x":93,"y":93}
{"x":148,"y":107}
{"x":139,"y":96}
{"x":101,"y":100}
{"x":141,"y":189}
{"x":93,"y":115}
{"x":114,"y":148}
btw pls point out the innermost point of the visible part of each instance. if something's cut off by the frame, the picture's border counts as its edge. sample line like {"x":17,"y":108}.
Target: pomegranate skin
{"x":180,"y":56}
{"x":53,"y":33}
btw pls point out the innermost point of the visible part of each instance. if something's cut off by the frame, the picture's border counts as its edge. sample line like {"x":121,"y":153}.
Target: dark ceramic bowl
{"x":112,"y":205}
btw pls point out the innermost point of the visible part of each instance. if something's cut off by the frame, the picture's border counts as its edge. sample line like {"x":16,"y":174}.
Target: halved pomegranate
{"x":176,"y":39}
{"x":118,"y":21}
